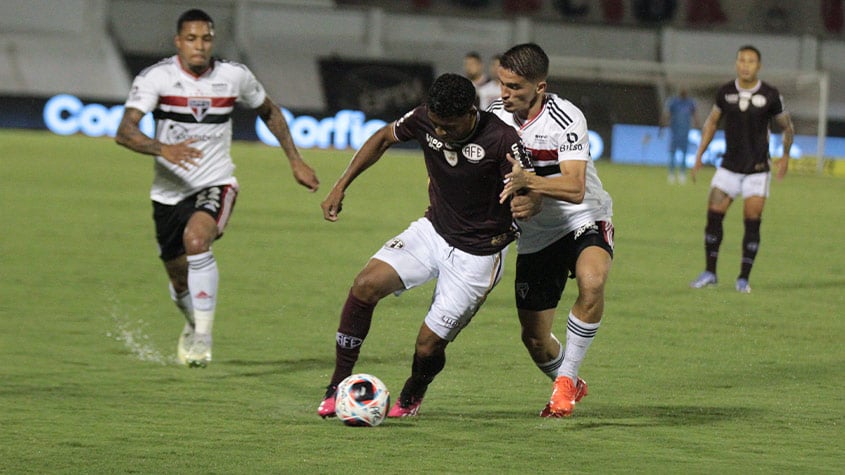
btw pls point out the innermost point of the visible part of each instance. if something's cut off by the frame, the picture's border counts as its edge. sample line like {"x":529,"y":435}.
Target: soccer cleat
{"x":184,"y":344}
{"x":405,"y":407}
{"x":579,"y":392}
{"x":326,"y":408}
{"x":742,"y":286}
{"x":706,"y":278}
{"x":199,"y":353}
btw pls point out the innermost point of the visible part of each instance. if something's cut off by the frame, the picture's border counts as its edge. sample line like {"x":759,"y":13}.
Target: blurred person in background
{"x":679,"y":115}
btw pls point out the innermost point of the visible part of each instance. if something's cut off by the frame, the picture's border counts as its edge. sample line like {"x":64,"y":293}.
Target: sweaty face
{"x":453,"y":129}
{"x":747,"y":66}
{"x":194,"y":44}
{"x":519,"y":94}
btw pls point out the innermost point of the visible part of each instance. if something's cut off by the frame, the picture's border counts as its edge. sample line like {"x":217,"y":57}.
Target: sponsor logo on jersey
{"x":571,"y":144}
{"x":395,"y":243}
{"x":219,"y":87}
{"x":473,"y":152}
{"x":758,"y":101}
{"x":433,"y":142}
{"x":451,"y":157}
{"x":199,"y":107}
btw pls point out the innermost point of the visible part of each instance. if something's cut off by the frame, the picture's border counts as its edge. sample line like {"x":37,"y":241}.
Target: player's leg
{"x":594,"y":250}
{"x":429,"y":360}
{"x":682,"y":162}
{"x":724,"y":187}
{"x":170,"y":223}
{"x":400,"y":264}
{"x":672,"y":152}
{"x":463,"y":283}
{"x":177,"y":271}
{"x":212,"y":208}
{"x":755,"y":189}
{"x":538,"y":285}
{"x":543,"y":346}
{"x":377,"y":280}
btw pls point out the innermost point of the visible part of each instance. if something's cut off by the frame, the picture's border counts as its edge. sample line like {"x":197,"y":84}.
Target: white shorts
{"x":419,"y":255}
{"x":733,"y":184}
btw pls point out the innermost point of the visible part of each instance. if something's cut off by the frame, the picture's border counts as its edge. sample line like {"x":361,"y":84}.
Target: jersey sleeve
{"x":777,"y":106}
{"x":251,"y":91}
{"x":574,"y":141}
{"x":403,"y":129}
{"x":143,"y":95}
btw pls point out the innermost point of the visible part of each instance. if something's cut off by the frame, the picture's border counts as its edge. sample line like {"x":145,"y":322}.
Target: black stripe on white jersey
{"x":496,"y":105}
{"x":559,"y":115}
{"x":547,"y":170}
{"x":159,"y":114}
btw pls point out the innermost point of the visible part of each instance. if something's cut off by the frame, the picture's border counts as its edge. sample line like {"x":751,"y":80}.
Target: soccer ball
{"x":362,"y":400}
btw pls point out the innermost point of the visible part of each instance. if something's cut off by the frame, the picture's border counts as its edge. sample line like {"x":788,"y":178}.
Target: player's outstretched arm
{"x":275,"y":120}
{"x":367,"y":155}
{"x":130,"y":136}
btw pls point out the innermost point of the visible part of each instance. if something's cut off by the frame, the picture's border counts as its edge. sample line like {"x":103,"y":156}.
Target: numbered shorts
{"x":419,"y":255}
{"x":747,"y":185}
{"x":541,"y":276}
{"x":170,"y":220}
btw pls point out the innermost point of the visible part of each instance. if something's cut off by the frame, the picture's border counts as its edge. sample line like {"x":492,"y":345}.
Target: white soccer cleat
{"x":199,"y":354}
{"x":706,"y":279}
{"x":184,"y":344}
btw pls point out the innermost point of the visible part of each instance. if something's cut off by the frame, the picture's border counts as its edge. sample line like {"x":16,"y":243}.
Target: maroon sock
{"x":354,"y":325}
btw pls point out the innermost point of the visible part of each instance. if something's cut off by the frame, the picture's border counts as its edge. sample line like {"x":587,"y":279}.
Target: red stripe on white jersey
{"x":182,"y":101}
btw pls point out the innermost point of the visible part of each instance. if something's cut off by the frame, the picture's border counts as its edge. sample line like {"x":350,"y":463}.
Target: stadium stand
{"x":92,"y":48}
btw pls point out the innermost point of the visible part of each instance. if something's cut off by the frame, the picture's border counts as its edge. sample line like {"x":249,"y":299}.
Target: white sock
{"x":183,"y":302}
{"x":550,"y":368}
{"x":203,"y":279}
{"x":579,"y":335}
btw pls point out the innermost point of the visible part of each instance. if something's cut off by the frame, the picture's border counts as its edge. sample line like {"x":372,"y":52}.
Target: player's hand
{"x":182,"y":154}
{"x":783,"y":167}
{"x":527,"y":205}
{"x":305,"y":175}
{"x":694,"y":170}
{"x":516,"y":180}
{"x":333,"y":204}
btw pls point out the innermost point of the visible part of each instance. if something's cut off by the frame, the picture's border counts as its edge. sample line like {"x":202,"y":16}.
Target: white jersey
{"x":558,"y":133}
{"x":188,"y":106}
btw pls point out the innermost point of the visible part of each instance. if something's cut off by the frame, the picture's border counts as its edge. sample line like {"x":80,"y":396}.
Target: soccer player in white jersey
{"x":191,"y":96}
{"x":572,"y":236}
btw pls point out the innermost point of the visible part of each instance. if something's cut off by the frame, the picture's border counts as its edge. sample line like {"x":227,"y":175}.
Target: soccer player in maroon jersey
{"x":461,"y":241}
{"x":748,"y":105}
{"x":191,"y":96}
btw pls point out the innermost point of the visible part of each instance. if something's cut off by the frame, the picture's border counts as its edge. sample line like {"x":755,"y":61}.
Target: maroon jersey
{"x":747,"y":114}
{"x":465,"y":180}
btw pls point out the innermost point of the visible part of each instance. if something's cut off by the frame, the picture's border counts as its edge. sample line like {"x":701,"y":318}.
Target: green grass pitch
{"x":681,"y":381}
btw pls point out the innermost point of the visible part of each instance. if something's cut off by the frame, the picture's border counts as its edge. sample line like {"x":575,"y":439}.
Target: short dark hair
{"x":750,"y":48}
{"x":194,"y":14}
{"x":527,"y":60}
{"x":474,"y":55}
{"x":451,"y":95}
